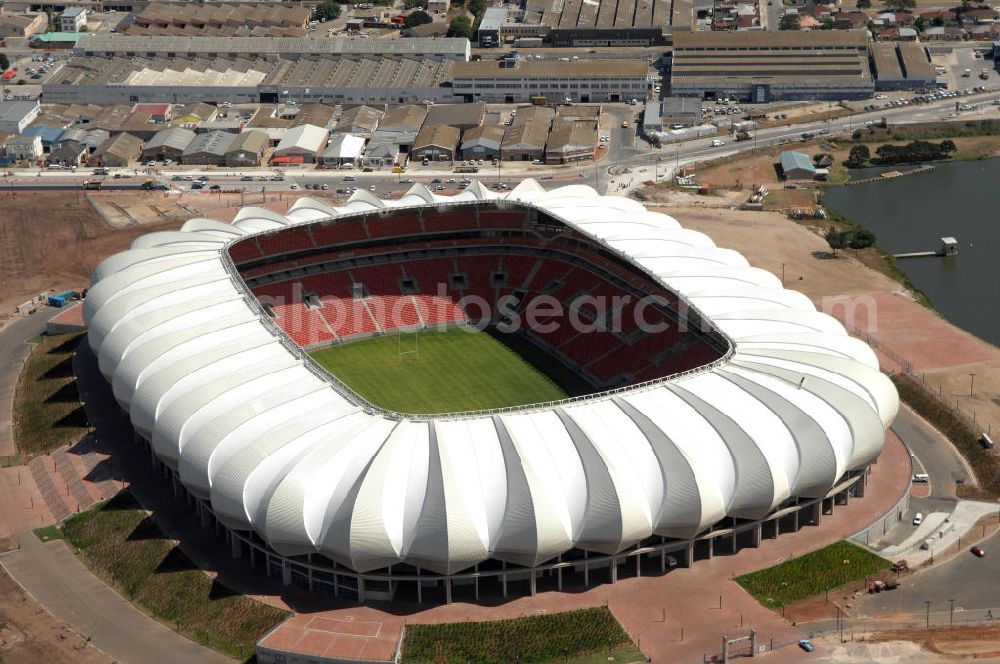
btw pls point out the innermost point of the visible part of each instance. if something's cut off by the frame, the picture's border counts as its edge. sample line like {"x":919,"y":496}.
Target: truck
{"x":984,"y":73}
{"x":743,"y":136}
{"x":147,"y":185}
{"x":100,"y":171}
{"x":92,"y":185}
{"x":466,"y":169}
{"x":967,"y":73}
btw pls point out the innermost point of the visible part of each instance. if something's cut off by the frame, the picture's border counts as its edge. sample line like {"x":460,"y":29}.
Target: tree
{"x":826,"y":24}
{"x":789,"y":22}
{"x":327,"y":10}
{"x":836,"y":239}
{"x":4,"y":62}
{"x":937,"y":21}
{"x":460,"y":26}
{"x":858,"y":157}
{"x":899,"y":5}
{"x":947,"y":146}
{"x":476,"y":7}
{"x":920,"y":24}
{"x":863,"y":4}
{"x":860,"y":239}
{"x":419,"y":17}
{"x":415,"y":4}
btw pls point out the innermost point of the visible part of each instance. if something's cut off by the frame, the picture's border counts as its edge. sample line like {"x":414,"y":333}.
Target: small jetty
{"x":949,"y":247}
{"x":890,"y":175}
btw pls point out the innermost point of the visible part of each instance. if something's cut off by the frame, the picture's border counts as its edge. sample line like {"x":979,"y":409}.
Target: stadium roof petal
{"x":277,"y":446}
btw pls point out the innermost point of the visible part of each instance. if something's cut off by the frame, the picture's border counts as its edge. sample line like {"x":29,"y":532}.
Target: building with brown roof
{"x":525,"y":139}
{"x":463,"y":116}
{"x":570,"y":142}
{"x":482,"y":142}
{"x":360,"y":120}
{"x":23,"y":25}
{"x":118,"y":151}
{"x":247,"y":149}
{"x":436,"y":143}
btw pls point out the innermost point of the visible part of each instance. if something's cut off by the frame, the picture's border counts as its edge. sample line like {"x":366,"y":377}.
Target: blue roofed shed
{"x":797,"y":166}
{"x":49,"y":135}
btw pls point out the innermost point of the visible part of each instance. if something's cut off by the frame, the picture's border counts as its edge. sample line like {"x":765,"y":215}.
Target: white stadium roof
{"x":253,"y":426}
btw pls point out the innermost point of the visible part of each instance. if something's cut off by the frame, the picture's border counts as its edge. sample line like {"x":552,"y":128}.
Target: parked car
{"x":215,"y":187}
{"x":247,"y":178}
{"x":918,"y":518}
{"x":807,"y":645}
{"x":978,"y":552}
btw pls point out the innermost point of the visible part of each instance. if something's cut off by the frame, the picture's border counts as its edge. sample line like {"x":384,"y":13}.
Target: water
{"x":958,"y":199}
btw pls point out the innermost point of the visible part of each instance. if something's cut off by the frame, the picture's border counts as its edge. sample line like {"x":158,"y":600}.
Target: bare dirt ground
{"x":953,"y":643}
{"x":29,"y":633}
{"x":55,"y":240}
{"x":870,"y":300}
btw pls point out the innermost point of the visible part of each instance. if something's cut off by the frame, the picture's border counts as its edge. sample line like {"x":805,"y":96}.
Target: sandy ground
{"x":41,"y":251}
{"x":28,"y":633}
{"x":864,"y":298}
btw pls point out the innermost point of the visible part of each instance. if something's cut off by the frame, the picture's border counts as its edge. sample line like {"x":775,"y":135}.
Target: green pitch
{"x":451,"y":370}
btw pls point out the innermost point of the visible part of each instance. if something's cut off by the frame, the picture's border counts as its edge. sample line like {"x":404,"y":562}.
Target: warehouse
{"x":118,"y":151}
{"x":246,"y":149}
{"x":382,"y":150}
{"x":343,"y":149}
{"x":482,"y":142}
{"x":525,"y":139}
{"x":463,"y":116}
{"x":796,"y":166}
{"x":360,"y":120}
{"x":246,"y":80}
{"x":301,"y":145}
{"x":15,"y":116}
{"x":517,"y":80}
{"x":571,"y":142}
{"x":436,"y":143}
{"x":168,"y":144}
{"x":291,"y":48}
{"x":766,"y":66}
{"x":208,"y":149}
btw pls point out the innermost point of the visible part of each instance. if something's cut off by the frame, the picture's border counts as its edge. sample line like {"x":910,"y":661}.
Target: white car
{"x":918,"y":518}
{"x":718,"y":143}
{"x":293,"y":186}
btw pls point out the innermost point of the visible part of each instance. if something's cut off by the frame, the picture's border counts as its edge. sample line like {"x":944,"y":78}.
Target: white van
{"x":921,"y":478}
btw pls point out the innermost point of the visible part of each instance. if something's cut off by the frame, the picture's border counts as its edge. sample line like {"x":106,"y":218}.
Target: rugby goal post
{"x":407,"y":350}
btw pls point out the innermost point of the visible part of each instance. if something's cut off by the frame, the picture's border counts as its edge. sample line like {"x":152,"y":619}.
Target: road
{"x":13,"y":351}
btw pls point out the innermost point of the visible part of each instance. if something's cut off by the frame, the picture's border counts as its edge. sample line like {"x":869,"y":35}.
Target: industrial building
{"x":482,"y":142}
{"x":587,"y":23}
{"x":290,"y":48}
{"x":517,"y":80}
{"x":525,"y":139}
{"x":246,"y":149}
{"x":73,"y":19}
{"x":901,"y":66}
{"x":436,"y":143}
{"x":361,"y":120}
{"x":301,"y":145}
{"x":208,"y":149}
{"x":570,"y":142}
{"x":25,"y":25}
{"x":168,"y":144}
{"x":15,"y":116}
{"x":220,"y":19}
{"x":766,"y":66}
{"x":118,"y":151}
{"x":343,"y":149}
{"x":251,"y":79}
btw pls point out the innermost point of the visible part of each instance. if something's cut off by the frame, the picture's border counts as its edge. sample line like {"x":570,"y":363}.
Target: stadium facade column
{"x":531,"y":577}
{"x":614,"y":569}
{"x":711,"y":547}
{"x":559,"y":578}
{"x":205,"y":517}
{"x":758,"y":532}
{"x":420,"y":588}
{"x":859,"y":486}
{"x":234,"y":543}
{"x":819,"y":512}
{"x":503,"y":576}
{"x":638,"y":565}
{"x":286,"y":573}
{"x":689,"y":554}
{"x":586,"y":570}
{"x":447,"y":590}
{"x":309,"y":572}
{"x":734,"y":534}
{"x":173,"y":485}
{"x":361,"y":590}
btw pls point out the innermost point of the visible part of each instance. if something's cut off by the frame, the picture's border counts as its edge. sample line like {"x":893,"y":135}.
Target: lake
{"x":958,"y":199}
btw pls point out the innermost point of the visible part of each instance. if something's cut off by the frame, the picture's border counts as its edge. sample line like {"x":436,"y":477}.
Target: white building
{"x":24,"y":147}
{"x":300,"y":145}
{"x":15,"y":116}
{"x":343,"y":149}
{"x":73,"y":19}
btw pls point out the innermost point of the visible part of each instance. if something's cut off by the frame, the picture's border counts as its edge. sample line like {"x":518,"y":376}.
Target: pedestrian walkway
{"x":946,"y":534}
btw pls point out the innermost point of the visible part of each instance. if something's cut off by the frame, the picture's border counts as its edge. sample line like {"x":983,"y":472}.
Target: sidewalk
{"x":945,"y":531}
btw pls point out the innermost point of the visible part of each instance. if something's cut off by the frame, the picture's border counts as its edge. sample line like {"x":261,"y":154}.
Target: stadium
{"x":483,"y":394}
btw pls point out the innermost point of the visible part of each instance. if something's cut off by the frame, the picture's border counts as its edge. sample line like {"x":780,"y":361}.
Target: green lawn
{"x":811,"y":574}
{"x":47,"y":409}
{"x":123,"y":545}
{"x":585,"y":636}
{"x":452,"y":370}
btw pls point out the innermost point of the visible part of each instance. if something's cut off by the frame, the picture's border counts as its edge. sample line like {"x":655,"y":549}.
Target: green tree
{"x":476,"y":7}
{"x":327,"y":10}
{"x":826,"y":24}
{"x":937,"y":21}
{"x":419,"y":17}
{"x":863,"y":4}
{"x":860,"y":239}
{"x":899,"y":5}
{"x":836,"y":239}
{"x":947,"y":146}
{"x":789,"y":22}
{"x":4,"y":62}
{"x":858,"y":156}
{"x":460,"y":26}
{"x":920,"y":24}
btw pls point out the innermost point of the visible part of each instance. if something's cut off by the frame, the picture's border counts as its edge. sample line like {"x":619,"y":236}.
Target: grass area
{"x":48,"y":533}
{"x":47,"y":409}
{"x":811,"y":574}
{"x":452,"y":370}
{"x":985,"y":466}
{"x":121,"y":543}
{"x":586,"y":636}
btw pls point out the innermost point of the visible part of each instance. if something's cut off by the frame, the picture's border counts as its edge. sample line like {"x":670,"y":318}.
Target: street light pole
{"x":972,"y":382}
{"x":951,"y":616}
{"x":928,"y":603}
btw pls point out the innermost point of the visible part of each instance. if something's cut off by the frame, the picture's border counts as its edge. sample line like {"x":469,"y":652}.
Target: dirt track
{"x":54,"y":240}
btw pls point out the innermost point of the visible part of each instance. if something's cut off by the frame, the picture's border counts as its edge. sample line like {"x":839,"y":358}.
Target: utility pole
{"x":928,"y":603}
{"x":951,"y":612}
{"x":972,"y":382}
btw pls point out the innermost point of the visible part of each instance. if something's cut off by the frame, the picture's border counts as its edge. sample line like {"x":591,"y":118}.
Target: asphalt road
{"x":13,"y":351}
